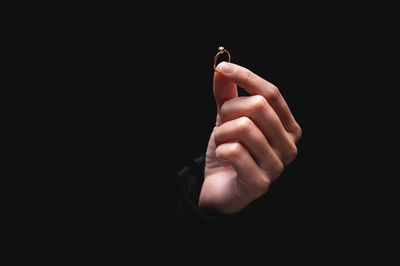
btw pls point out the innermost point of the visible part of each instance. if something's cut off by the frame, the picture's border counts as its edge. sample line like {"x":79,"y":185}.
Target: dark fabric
{"x":191,"y":179}
{"x":251,"y":233}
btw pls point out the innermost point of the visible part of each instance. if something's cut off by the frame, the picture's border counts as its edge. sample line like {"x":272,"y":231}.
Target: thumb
{"x":223,"y":88}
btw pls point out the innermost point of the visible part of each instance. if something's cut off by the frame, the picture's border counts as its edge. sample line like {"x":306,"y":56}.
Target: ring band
{"x":221,"y":51}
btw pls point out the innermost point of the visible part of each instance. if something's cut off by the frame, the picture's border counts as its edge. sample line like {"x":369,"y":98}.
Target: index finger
{"x":256,"y":85}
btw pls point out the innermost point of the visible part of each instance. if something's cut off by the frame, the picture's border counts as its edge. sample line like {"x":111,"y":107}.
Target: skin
{"x":254,"y":138}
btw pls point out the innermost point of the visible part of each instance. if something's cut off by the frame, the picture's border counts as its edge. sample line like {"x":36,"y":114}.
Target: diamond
{"x":221,"y":48}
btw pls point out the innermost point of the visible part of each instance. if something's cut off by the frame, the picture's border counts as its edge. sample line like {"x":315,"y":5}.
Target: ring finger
{"x":264,"y":117}
{"x":246,"y":132}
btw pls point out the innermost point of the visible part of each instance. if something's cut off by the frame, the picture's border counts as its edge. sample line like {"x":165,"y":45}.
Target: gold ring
{"x":221,"y":51}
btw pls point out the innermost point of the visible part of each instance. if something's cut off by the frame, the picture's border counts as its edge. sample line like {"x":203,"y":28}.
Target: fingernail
{"x":226,"y":67}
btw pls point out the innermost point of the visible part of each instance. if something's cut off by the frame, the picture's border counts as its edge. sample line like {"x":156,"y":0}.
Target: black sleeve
{"x":191,"y":230}
{"x":191,"y":179}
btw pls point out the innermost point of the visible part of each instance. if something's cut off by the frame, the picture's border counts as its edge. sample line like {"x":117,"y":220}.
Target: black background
{"x":138,"y":106}
{"x":329,"y":73}
{"x":329,"y":194}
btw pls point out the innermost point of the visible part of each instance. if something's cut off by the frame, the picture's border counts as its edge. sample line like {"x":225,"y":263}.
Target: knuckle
{"x":235,"y":150}
{"x":297,"y":131}
{"x":217,"y":136}
{"x":278,"y":168}
{"x":273,"y":94}
{"x":243,"y":124}
{"x":291,"y":153}
{"x":258,"y":103}
{"x":263,"y":186}
{"x":218,"y":151}
{"x":224,"y":111}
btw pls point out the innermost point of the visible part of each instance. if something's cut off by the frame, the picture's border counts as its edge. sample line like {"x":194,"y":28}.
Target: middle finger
{"x":262,"y":114}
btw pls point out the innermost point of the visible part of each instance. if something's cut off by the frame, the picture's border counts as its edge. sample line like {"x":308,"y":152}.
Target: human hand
{"x":253,"y":140}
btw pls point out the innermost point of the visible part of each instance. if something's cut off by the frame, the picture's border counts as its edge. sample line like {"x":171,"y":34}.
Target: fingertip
{"x":225,"y":67}
{"x":220,"y":66}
